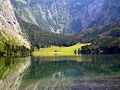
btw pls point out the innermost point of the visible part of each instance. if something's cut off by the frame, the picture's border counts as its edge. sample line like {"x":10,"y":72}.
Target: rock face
{"x":67,"y":16}
{"x":9,"y":24}
{"x":100,"y":12}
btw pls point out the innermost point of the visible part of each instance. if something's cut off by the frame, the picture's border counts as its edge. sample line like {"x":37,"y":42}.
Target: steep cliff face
{"x":100,"y":12}
{"x":51,"y":15}
{"x":10,"y":30}
{"x":65,"y":16}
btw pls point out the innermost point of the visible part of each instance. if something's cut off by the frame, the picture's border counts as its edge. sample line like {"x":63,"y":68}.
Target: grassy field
{"x":58,"y":51}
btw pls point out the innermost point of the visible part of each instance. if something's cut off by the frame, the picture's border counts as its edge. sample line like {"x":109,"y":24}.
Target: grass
{"x":58,"y":51}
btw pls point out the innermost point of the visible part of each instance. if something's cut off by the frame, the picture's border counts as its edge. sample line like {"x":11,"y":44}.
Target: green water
{"x":85,"y":72}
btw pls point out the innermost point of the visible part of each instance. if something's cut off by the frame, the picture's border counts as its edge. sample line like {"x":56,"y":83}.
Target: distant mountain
{"x":67,"y":16}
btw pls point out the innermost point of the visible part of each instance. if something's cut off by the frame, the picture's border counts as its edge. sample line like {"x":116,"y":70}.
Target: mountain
{"x":67,"y":16}
{"x":41,"y":38}
{"x":11,"y":36}
{"x":104,"y":39}
{"x":110,"y":31}
{"x":99,"y":12}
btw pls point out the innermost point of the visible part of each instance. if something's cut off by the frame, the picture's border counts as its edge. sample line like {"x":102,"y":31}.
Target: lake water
{"x":84,"y":72}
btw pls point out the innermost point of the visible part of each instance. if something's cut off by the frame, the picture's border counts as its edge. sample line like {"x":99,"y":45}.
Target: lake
{"x":84,"y":72}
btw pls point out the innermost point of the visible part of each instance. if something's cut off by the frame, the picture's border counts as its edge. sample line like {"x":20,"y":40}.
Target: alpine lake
{"x":78,"y":72}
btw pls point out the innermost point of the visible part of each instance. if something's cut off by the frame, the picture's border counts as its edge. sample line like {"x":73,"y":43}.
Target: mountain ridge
{"x":67,"y":17}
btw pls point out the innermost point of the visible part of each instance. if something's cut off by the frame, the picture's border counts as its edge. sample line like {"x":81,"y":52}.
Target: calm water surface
{"x":85,"y":72}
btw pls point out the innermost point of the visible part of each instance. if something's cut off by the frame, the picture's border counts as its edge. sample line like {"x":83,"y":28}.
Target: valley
{"x":59,"y":44}
{"x":40,"y":24}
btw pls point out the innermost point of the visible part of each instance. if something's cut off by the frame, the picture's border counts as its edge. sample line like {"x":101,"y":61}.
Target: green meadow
{"x":58,"y":51}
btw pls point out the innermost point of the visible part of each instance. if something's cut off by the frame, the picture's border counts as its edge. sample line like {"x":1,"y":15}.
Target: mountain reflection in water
{"x":83,"y":72}
{"x":12,"y":71}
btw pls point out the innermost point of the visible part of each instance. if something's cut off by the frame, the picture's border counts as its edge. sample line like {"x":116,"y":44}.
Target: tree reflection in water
{"x":85,"y":72}
{"x":73,"y":73}
{"x":12,"y":71}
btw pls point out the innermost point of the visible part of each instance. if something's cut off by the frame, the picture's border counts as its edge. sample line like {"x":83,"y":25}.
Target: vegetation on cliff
{"x":104,"y":39}
{"x":11,"y":46}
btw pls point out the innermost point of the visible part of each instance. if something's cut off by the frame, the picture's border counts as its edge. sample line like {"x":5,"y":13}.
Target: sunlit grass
{"x":58,"y":51}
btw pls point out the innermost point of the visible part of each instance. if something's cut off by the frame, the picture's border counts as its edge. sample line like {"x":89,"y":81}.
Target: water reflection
{"x":73,"y":73}
{"x":87,"y":72}
{"x":12,"y":71}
